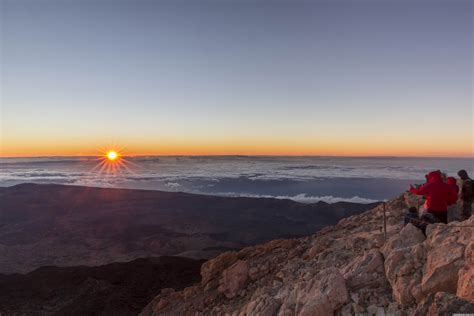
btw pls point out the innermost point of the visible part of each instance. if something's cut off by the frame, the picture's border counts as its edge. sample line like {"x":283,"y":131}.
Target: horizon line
{"x":243,"y":155}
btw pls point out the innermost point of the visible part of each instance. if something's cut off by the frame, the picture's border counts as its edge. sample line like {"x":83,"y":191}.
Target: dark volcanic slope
{"x":72,"y":225}
{"x":113,"y":289}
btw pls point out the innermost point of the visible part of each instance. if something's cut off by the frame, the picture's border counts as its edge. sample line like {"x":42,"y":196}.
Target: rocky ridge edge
{"x":346,"y":269}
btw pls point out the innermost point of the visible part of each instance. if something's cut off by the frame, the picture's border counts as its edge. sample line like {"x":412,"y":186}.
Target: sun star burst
{"x":112,"y":162}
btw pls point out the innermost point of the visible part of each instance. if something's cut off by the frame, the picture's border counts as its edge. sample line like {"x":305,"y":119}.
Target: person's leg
{"x":429,"y":218}
{"x":442,"y":217}
{"x":450,"y":213}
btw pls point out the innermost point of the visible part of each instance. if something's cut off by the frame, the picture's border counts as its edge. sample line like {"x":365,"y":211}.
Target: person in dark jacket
{"x":466,"y":195}
{"x":438,"y":196}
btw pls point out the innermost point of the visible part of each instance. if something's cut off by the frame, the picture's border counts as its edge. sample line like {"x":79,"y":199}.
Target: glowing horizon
{"x":334,"y":79}
{"x":255,"y":149}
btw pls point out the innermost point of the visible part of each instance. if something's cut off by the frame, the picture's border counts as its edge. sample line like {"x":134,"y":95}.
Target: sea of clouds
{"x":303,"y":179}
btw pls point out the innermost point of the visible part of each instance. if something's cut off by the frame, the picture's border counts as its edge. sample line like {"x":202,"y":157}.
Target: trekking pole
{"x":384,"y":222}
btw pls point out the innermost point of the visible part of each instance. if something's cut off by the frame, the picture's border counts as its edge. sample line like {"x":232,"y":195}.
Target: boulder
{"x":466,"y":275}
{"x":234,"y":279}
{"x":403,"y":271}
{"x":443,"y":303}
{"x":466,"y":235}
{"x":407,"y":237}
{"x":366,"y":271}
{"x":447,"y":251}
{"x":213,"y":268}
{"x":322,"y":295}
{"x":465,"y":287}
{"x":442,"y":266}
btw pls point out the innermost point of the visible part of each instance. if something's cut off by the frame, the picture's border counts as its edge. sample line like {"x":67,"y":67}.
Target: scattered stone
{"x":372,"y":309}
{"x":253,"y":273}
{"x":380,"y":311}
{"x":355,"y":297}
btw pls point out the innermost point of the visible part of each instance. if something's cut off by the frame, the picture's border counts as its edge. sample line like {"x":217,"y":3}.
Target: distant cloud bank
{"x":304,"y":198}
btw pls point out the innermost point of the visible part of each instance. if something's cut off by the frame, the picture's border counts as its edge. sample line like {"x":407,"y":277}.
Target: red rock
{"x":403,"y":271}
{"x":443,"y":303}
{"x":408,"y":236}
{"x":213,"y":268}
{"x":465,"y":288}
{"x":442,"y":266}
{"x":234,"y":279}
{"x":323,"y":295}
{"x":365,"y":271}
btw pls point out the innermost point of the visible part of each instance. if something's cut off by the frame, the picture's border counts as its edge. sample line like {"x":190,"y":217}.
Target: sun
{"x":112,"y":155}
{"x":112,"y":161}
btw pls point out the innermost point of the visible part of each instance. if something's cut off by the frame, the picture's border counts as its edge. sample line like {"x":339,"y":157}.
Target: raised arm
{"x":420,"y":191}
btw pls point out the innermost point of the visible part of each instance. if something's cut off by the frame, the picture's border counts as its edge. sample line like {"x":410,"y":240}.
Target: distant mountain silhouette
{"x":72,"y":225}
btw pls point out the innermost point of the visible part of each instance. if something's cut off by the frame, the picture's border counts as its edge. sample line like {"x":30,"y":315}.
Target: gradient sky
{"x":237,"y":77}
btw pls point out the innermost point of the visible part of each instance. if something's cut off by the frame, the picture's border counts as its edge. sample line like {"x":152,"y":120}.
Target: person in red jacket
{"x":453,"y":183}
{"x":438,"y":195}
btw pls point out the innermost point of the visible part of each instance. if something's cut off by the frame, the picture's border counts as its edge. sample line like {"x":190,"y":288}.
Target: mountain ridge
{"x":349,"y":268}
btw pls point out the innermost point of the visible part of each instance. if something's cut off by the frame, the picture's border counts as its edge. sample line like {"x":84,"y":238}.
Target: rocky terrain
{"x":347,"y":269}
{"x":113,"y":289}
{"x":71,"y":225}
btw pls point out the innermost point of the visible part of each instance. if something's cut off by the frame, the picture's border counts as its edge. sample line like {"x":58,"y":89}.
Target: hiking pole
{"x":384,"y":222}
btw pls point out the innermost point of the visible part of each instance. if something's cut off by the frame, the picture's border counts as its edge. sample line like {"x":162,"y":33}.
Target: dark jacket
{"x":466,"y":189}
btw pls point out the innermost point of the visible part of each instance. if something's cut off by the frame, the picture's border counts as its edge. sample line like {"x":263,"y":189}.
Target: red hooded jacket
{"x":437,"y":193}
{"x":452,"y":182}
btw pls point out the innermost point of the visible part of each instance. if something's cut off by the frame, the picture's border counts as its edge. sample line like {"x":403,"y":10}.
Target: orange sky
{"x":255,"y":146}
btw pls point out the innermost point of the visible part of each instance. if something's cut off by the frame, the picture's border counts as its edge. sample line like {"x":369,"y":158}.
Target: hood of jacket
{"x":435,"y":177}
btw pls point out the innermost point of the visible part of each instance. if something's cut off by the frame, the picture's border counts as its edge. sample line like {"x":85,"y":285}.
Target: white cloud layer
{"x":304,"y":198}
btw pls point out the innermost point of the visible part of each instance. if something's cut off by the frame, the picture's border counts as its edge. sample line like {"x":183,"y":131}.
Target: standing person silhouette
{"x":466,"y":195}
{"x":453,"y":210}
